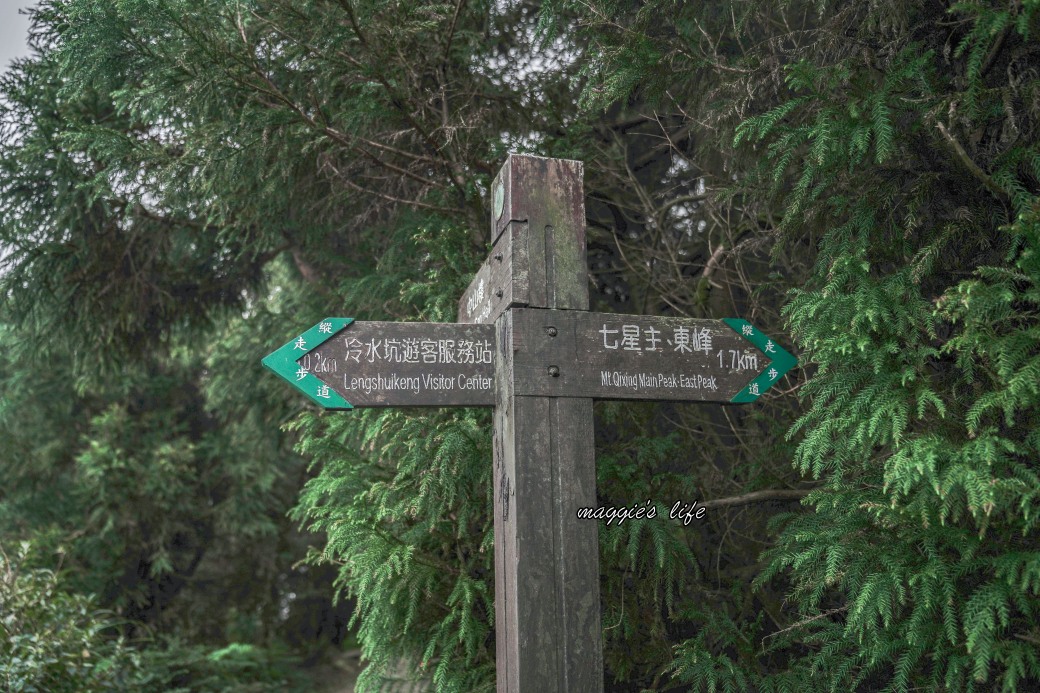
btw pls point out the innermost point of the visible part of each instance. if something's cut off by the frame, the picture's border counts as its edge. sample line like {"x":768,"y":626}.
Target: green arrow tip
{"x":780,"y":360}
{"x":283,"y":362}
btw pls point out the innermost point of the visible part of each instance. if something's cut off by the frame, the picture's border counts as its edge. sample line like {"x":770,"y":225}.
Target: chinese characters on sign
{"x":676,"y":339}
{"x":635,"y":338}
{"x":417,"y":350}
{"x":550,"y":354}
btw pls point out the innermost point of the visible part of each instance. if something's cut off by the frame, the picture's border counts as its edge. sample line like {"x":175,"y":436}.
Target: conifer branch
{"x":397,"y":169}
{"x":807,"y":621}
{"x":392,"y":198}
{"x":680,"y":200}
{"x":757,"y":497}
{"x":309,"y":274}
{"x":451,"y":29}
{"x":991,"y":57}
{"x":971,"y":166}
{"x":713,"y":264}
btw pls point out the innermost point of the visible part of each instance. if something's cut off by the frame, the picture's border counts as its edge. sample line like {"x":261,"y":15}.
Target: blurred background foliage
{"x":184,"y":185}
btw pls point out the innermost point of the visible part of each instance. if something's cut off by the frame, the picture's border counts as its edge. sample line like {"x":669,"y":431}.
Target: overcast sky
{"x":13,"y":30}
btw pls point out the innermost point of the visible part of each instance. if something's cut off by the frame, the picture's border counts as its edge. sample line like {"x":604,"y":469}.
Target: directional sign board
{"x":611,"y":356}
{"x":341,"y":364}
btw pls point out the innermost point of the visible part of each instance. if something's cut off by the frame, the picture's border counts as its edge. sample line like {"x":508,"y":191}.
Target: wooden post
{"x":551,"y":358}
{"x":547,"y":612}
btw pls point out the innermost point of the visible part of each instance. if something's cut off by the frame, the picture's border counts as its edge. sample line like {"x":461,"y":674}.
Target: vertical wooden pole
{"x":547,"y":617}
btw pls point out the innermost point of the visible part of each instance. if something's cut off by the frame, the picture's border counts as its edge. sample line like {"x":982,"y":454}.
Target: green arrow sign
{"x":526,"y":345}
{"x":283,"y":362}
{"x":781,"y":360}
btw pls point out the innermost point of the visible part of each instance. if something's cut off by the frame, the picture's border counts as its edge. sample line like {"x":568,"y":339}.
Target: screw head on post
{"x":554,"y":371}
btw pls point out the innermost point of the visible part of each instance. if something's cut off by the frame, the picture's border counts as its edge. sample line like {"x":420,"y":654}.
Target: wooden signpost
{"x":526,"y":344}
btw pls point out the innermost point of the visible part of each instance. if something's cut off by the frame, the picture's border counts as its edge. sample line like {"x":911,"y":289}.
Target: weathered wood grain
{"x":547,"y":612}
{"x":548,"y":195}
{"x":501,"y":282}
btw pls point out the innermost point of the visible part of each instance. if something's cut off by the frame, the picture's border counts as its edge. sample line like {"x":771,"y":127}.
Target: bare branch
{"x":967,"y":162}
{"x":757,"y":497}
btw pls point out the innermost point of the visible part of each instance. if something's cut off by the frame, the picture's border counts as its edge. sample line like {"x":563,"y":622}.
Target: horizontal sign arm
{"x":616,"y":356}
{"x":386,"y":364}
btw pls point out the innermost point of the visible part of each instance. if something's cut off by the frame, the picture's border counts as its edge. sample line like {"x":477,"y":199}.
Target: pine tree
{"x":898,"y":141}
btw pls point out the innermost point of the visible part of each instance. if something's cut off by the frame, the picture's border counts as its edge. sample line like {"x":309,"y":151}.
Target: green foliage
{"x":923,"y":444}
{"x":405,"y":499}
{"x":182,"y":668}
{"x":646,"y":563}
{"x":58,"y":640}
{"x":898,"y":141}
{"x":52,"y":639}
